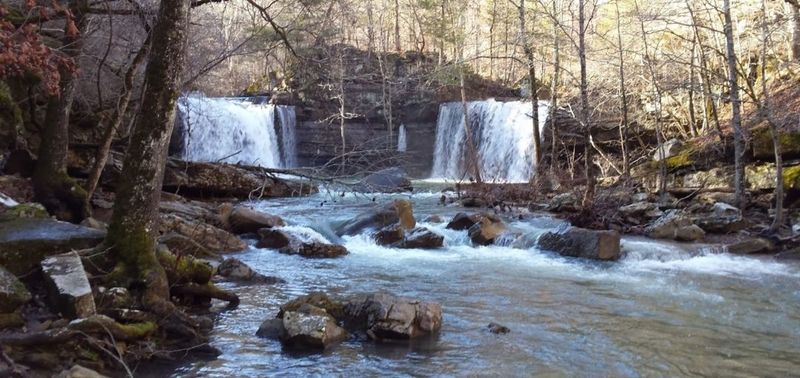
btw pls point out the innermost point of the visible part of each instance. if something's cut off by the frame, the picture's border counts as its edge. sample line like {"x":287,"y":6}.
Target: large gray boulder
{"x":389,"y":180}
{"x":388,"y":317}
{"x":13,"y":293}
{"x":24,"y":243}
{"x":722,"y":218}
{"x":244,"y":220}
{"x":583,"y":243}
{"x":69,"y":292}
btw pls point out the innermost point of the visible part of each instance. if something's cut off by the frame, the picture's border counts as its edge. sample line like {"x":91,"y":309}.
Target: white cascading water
{"x":287,"y":121}
{"x":503,"y":138}
{"x":402,"y":144}
{"x":237,"y":130}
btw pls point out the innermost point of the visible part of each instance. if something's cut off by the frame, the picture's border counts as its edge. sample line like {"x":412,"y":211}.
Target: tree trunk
{"x":736,"y":117}
{"x":623,"y":90}
{"x":554,"y":94}
{"x":101,"y":156}
{"x":588,"y":196}
{"x":710,"y":106}
{"x":397,"y":46}
{"x":474,"y":161}
{"x":795,"y":24}
{"x":777,"y":222}
{"x":134,"y":226}
{"x":534,"y":88}
{"x":53,"y":188}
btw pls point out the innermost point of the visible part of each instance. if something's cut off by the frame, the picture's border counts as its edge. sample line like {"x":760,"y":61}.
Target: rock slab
{"x":69,"y":292}
{"x":24,"y":243}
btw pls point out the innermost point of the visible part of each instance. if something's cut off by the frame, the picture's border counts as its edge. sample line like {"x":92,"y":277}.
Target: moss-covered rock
{"x":24,"y":210}
{"x":791,"y":177}
{"x":763,"y":148}
{"x":24,"y":243}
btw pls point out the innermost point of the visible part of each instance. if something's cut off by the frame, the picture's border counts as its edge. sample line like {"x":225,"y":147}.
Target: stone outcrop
{"x":214,"y":239}
{"x":668,"y":149}
{"x":640,"y":212}
{"x":68,"y":287}
{"x":24,"y":243}
{"x":236,"y":270}
{"x":398,"y":212}
{"x":389,"y":180}
{"x":583,"y":243}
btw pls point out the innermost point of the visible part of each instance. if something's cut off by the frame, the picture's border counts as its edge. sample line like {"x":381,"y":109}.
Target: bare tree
{"x":773,"y":126}
{"x":736,"y":117}
{"x":534,"y":87}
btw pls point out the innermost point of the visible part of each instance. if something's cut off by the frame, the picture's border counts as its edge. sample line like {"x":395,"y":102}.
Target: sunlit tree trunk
{"x":773,"y":127}
{"x":588,"y":196}
{"x":623,"y":90}
{"x":534,"y":88}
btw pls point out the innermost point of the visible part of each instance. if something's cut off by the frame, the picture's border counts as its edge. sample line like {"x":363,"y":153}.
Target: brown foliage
{"x":22,"y":52}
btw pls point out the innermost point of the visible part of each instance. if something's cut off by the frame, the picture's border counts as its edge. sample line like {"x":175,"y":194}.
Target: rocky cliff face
{"x":379,"y":93}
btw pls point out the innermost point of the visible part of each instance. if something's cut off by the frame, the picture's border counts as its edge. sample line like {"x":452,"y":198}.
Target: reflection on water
{"x":664,"y":310}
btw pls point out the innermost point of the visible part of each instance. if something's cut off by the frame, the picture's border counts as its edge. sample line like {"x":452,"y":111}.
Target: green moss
{"x":184,"y":269}
{"x":791,"y":177}
{"x":138,"y":330}
{"x":683,"y":159}
{"x":25,"y":210}
{"x":763,"y":148}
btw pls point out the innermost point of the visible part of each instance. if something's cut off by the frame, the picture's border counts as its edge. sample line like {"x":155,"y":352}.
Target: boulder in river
{"x":389,"y":180}
{"x":68,"y":287}
{"x":419,"y":237}
{"x":388,"y":317}
{"x":486,"y":230}
{"x":291,"y":244}
{"x":751,"y":246}
{"x":310,"y":327}
{"x":236,"y":270}
{"x":244,"y":220}
{"x":24,"y":243}
{"x":498,"y":329}
{"x":13,"y":293}
{"x":579,"y":242}
{"x":215,"y":239}
{"x":675,"y":225}
{"x":483,"y":228}
{"x":398,"y":212}
{"x":321,"y":250}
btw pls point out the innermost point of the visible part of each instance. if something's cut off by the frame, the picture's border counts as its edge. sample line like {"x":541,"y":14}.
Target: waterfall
{"x":236,"y":130}
{"x":287,"y":120}
{"x":402,"y":145}
{"x":503,"y":138}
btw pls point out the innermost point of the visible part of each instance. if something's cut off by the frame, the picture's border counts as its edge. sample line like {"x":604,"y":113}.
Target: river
{"x":663,"y":310}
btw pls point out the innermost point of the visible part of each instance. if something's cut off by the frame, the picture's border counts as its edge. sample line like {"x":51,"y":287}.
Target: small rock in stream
{"x":498,"y":329}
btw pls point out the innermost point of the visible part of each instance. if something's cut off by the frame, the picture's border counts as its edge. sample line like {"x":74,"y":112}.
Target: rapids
{"x":665,"y":309}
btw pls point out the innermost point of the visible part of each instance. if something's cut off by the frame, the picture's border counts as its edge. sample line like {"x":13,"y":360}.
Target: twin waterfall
{"x":237,"y":130}
{"x":503,"y":136}
{"x":247,"y":131}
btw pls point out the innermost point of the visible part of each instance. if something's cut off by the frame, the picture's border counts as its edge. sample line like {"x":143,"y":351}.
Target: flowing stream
{"x":663,"y":310}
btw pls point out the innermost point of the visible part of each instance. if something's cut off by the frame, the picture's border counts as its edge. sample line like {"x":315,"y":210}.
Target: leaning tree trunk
{"x":795,"y":24}
{"x":101,"y":156}
{"x":52,"y":187}
{"x":736,"y":117}
{"x":133,"y":229}
{"x":591,"y":180}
